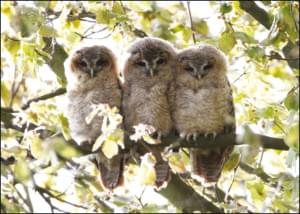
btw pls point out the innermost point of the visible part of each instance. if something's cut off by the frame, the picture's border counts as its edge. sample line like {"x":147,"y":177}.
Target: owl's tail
{"x":208,"y":163}
{"x":111,"y":171}
{"x":163,"y":173}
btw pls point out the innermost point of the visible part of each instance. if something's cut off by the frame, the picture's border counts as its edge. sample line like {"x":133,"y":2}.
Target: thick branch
{"x":219,"y":141}
{"x":259,"y":173}
{"x":184,"y":197}
{"x":257,"y":13}
{"x":290,"y":50}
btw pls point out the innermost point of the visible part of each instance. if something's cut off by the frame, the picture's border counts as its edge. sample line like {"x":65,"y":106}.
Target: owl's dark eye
{"x":208,"y":66}
{"x":141,"y":63}
{"x":82,"y":64}
{"x":161,"y":61}
{"x":189,"y":69}
{"x":100,"y":62}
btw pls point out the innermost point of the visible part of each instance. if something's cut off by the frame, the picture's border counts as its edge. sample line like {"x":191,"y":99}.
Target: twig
{"x":42,"y":190}
{"x":191,"y":21}
{"x":262,"y":175}
{"x":244,"y":73}
{"x":57,"y":92}
{"x":278,"y":57}
{"x":140,"y":198}
{"x":228,"y":191}
{"x":261,"y":158}
{"x":15,"y":88}
{"x":292,"y":15}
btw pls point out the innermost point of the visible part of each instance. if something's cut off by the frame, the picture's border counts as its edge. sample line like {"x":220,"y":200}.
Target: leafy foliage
{"x":41,"y":172}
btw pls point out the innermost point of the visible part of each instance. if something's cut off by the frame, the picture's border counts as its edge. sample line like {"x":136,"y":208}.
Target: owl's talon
{"x":182,"y":135}
{"x":188,"y":138}
{"x":159,"y":135}
{"x":195,"y":136}
{"x":214,"y":135}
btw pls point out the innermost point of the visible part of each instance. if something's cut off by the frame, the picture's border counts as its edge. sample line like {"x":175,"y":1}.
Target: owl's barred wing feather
{"x":111,"y":171}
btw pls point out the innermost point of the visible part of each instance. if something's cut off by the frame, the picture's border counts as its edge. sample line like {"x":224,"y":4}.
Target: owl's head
{"x":202,"y":62}
{"x":151,"y":56}
{"x":89,"y":63}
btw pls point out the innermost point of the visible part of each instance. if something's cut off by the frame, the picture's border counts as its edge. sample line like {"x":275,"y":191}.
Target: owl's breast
{"x":203,"y":110}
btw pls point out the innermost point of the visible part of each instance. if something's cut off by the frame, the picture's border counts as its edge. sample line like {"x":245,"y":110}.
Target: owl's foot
{"x":210,"y":135}
{"x":188,"y":136}
{"x":182,"y":135}
{"x":229,"y":129}
{"x":157,"y":135}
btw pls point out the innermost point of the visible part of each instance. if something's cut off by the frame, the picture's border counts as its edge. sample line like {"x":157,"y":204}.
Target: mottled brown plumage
{"x":92,"y":79}
{"x":203,"y":105}
{"x":148,"y":75}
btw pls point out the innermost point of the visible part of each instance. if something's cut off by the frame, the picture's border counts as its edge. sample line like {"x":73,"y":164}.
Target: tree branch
{"x":55,"y":93}
{"x":191,"y":21}
{"x":257,"y":13}
{"x":263,"y":18}
{"x":184,"y":197}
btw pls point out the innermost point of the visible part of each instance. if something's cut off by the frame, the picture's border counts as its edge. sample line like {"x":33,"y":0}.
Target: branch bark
{"x":257,"y":13}
{"x":55,"y":93}
{"x":186,"y":198}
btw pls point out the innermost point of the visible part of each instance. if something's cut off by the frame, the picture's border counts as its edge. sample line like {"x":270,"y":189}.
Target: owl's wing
{"x":208,"y":163}
{"x":111,"y":170}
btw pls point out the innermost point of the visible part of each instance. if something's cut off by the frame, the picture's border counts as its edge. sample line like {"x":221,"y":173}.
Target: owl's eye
{"x":100,"y":62}
{"x":189,"y":69}
{"x":208,"y":66}
{"x":141,"y":63}
{"x":82,"y":64}
{"x":161,"y":61}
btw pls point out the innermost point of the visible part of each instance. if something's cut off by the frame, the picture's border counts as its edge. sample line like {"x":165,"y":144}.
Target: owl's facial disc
{"x":151,"y":68}
{"x":198,"y":71}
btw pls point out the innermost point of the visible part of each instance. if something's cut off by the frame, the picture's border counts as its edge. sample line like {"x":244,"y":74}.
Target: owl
{"x":148,"y":78}
{"x":203,"y":106}
{"x":93,"y":79}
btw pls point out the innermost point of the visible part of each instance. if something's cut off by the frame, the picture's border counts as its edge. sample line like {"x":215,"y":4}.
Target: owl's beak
{"x":151,"y":72}
{"x":92,"y":72}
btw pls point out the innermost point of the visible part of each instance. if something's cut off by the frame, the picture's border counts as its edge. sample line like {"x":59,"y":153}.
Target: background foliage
{"x":41,"y":172}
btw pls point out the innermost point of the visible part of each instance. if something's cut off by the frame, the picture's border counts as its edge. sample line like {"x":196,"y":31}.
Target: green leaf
{"x":225,"y":8}
{"x":63,"y":149}
{"x":176,"y":27}
{"x":232,"y":162}
{"x":22,"y":171}
{"x":257,"y":190}
{"x":227,"y":42}
{"x":292,"y":138}
{"x":64,"y":123}
{"x":36,"y":146}
{"x":103,"y":16}
{"x":26,"y":20}
{"x":117,"y":8}
{"x":47,"y":31}
{"x":201,"y":27}
{"x":12,"y":45}
{"x":291,"y":101}
{"x":244,"y":37}
{"x":256,"y":53}
{"x":140,"y":6}
{"x":110,"y":148}
{"x":5,"y":94}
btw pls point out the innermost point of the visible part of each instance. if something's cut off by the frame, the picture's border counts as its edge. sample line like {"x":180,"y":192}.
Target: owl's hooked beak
{"x":151,"y":72}
{"x":202,"y":72}
{"x":92,"y":72}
